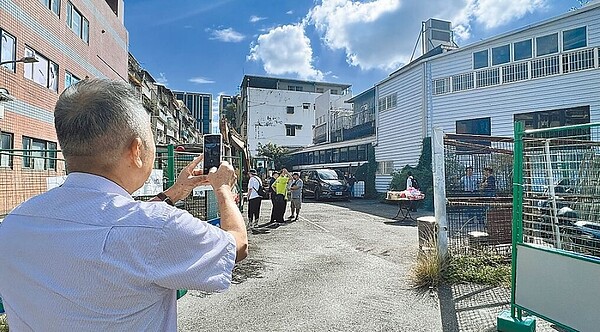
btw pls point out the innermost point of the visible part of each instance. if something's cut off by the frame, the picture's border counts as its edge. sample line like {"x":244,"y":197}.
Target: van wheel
{"x":317,"y":194}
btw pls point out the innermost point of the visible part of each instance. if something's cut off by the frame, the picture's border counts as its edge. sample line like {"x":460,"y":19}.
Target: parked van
{"x":324,"y":183}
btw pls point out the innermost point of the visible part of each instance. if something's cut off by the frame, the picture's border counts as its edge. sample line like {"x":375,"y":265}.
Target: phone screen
{"x":212,"y":151}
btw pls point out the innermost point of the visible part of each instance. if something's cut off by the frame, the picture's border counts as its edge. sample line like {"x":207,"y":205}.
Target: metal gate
{"x":556,"y":233}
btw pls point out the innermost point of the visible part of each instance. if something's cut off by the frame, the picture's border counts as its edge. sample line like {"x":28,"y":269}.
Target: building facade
{"x":46,"y":46}
{"x":545,"y":75}
{"x":200,"y":104}
{"x":281,"y":111}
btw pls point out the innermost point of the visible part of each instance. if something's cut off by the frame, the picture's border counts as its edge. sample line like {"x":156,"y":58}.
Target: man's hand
{"x":188,"y":179}
{"x":223,"y":178}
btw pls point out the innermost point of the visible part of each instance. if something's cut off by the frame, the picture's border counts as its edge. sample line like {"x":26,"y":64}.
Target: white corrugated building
{"x":546,"y":74}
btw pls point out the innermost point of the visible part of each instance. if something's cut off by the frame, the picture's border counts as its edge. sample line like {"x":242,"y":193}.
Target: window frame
{"x":52,"y":5}
{"x":290,"y":109}
{"x":585,"y":41}
{"x":514,"y":49}
{"x":501,"y":61}
{"x":48,"y":154}
{"x":537,"y":45}
{"x":81,"y":32}
{"x":290,"y":130}
{"x":51,"y":69}
{"x":70,"y":81}
{"x":487,"y":57}
{"x":11,"y":140}
{"x":9,"y":66}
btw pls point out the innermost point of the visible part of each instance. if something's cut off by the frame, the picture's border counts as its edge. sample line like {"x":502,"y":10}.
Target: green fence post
{"x":513,"y":321}
{"x":170,"y":165}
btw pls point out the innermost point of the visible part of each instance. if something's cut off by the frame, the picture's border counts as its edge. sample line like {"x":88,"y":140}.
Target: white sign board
{"x":55,"y":181}
{"x":200,"y":191}
{"x":153,"y":185}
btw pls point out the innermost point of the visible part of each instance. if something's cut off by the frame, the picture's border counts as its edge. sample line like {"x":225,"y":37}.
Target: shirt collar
{"x":94,"y":182}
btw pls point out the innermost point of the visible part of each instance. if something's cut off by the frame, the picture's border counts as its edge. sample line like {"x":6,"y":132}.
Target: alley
{"x":336,"y":269}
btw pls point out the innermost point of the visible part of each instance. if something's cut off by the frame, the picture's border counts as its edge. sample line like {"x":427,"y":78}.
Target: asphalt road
{"x":336,"y":269}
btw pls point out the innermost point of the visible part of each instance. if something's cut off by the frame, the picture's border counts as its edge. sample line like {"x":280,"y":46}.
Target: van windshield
{"x":327,"y":174}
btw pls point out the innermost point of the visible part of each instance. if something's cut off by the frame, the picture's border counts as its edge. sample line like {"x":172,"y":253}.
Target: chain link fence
{"x":478,"y":193}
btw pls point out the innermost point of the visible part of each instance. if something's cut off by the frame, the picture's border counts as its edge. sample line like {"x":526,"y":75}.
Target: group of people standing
{"x":487,"y":186}
{"x":281,"y":188}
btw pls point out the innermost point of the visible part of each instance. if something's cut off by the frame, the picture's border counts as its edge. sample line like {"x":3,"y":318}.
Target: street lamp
{"x":25,"y":59}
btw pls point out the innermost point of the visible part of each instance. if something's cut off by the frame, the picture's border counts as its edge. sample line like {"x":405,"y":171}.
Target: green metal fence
{"x":26,"y":173}
{"x":556,"y":228}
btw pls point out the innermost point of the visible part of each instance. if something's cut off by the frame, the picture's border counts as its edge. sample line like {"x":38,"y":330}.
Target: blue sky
{"x":208,"y":45}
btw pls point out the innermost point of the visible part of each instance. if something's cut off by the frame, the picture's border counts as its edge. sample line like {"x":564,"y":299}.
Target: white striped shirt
{"x":86,"y":256}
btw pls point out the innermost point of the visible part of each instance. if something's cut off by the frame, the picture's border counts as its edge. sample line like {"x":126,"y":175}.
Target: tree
{"x":229,"y":112}
{"x":274,"y":152}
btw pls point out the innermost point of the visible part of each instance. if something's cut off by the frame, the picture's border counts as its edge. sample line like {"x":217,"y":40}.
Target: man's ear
{"x":135,"y":152}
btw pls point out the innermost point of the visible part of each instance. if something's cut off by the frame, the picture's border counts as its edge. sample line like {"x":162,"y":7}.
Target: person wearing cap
{"x":254,"y":199}
{"x":295,"y":190}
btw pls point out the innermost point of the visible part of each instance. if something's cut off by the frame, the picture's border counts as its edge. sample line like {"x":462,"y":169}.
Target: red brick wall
{"x":103,"y":53}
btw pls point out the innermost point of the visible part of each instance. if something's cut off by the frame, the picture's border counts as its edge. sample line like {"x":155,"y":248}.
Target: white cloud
{"x":162,"y":79}
{"x":226,"y":35}
{"x":255,"y":18}
{"x":382,"y":33}
{"x":494,"y":13}
{"x":201,"y":80}
{"x":289,"y":12}
{"x":286,"y":50}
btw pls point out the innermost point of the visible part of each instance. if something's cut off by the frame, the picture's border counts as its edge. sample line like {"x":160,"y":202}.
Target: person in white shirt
{"x":86,"y":256}
{"x":254,"y":199}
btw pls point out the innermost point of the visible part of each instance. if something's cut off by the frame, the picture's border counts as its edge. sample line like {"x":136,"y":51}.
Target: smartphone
{"x":212,"y":151}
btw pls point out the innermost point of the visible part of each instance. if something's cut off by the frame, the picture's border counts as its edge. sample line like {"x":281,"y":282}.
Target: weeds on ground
{"x":3,"y":323}
{"x":431,"y":269}
{"x":486,"y":269}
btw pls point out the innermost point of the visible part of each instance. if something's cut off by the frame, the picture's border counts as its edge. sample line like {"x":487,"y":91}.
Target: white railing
{"x":556,"y":64}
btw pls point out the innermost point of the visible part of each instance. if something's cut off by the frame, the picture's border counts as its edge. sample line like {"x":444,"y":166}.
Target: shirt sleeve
{"x":193,"y":254}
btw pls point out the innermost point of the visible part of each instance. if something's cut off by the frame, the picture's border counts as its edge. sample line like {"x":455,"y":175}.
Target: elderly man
{"x":86,"y":256}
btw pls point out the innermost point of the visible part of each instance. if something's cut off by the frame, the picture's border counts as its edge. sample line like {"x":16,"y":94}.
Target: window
{"x":352,"y":153}
{"x":574,"y":38}
{"x":306,"y":106}
{"x":554,"y":118}
{"x":39,"y":154}
{"x":8,"y":50}
{"x":462,"y":82}
{"x":480,"y":126}
{"x":480,"y":59}
{"x":290,"y":110}
{"x":474,"y":126}
{"x":53,"y":5}
{"x":546,"y":44}
{"x":335,"y":92}
{"x":70,"y":79}
{"x":343,"y":154}
{"x":295,"y":88}
{"x":320,"y":90}
{"x":44,"y":72}
{"x":6,"y":143}
{"x":523,"y":50}
{"x":500,"y":55}
{"x":385,"y":167}
{"x":388,"y":102}
{"x":78,"y":23}
{"x":441,"y":86}
{"x":290,"y":130}
{"x":362,"y":152}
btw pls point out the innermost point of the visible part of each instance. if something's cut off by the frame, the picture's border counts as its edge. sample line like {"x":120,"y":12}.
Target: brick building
{"x":71,"y":40}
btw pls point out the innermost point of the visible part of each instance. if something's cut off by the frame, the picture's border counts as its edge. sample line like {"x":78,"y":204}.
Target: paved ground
{"x":336,"y":269}
{"x":345,"y":266}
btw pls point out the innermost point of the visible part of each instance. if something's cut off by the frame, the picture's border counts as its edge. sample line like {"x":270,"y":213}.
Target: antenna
{"x":417,"y":43}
